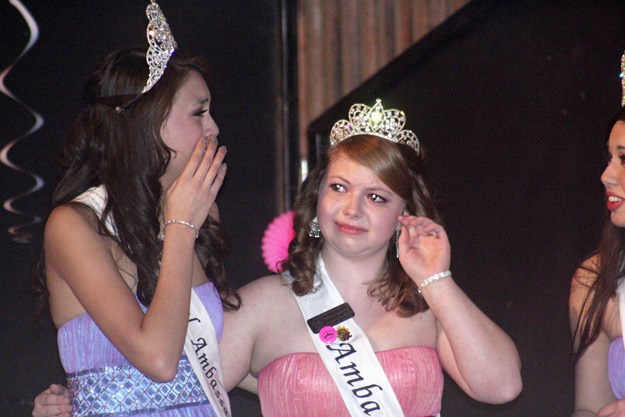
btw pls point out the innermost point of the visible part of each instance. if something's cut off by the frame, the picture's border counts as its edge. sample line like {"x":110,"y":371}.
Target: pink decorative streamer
{"x":17,"y":231}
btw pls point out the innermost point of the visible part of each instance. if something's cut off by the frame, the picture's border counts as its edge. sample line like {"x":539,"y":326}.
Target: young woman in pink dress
{"x":365,"y":221}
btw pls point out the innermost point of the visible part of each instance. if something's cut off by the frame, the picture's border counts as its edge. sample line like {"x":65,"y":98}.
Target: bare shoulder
{"x":581,"y":283}
{"x":582,"y":293}
{"x":71,"y":231}
{"x":68,"y":220}
{"x":262,"y":303}
{"x":586,"y":274}
{"x":260,"y":292}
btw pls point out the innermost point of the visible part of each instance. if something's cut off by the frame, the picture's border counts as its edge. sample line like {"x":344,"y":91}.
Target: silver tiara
{"x":365,"y":120}
{"x":623,"y":80}
{"x":161,"y":41}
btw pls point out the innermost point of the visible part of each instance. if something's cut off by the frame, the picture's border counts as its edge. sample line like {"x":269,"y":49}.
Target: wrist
{"x":431,"y":279}
{"x":177,"y":222}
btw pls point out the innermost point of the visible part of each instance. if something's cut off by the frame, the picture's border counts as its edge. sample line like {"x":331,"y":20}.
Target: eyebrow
{"x":338,"y":177}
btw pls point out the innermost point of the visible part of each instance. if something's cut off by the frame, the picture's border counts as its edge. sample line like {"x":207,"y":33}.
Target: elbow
{"x":498,"y":390}
{"x":506,"y":390}
{"x":510,"y":390}
{"x":162,"y":369}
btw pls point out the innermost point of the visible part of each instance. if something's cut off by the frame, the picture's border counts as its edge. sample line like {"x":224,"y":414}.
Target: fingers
{"x":204,"y":151}
{"x":53,"y":402}
{"x":207,"y":163}
{"x":193,"y":193}
{"x":214,"y":183}
{"x":421,"y":226}
{"x":213,"y":168}
{"x":59,"y":390}
{"x":616,"y":408}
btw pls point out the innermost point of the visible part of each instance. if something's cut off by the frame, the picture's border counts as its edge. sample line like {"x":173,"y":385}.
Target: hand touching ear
{"x":423,"y":247}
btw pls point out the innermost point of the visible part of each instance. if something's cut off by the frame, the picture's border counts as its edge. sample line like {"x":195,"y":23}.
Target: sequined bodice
{"x":105,"y":383}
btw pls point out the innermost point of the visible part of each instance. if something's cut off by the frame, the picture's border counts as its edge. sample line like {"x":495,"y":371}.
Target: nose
{"x":353,"y":206}
{"x":211,"y":129}
{"x":608,"y":177}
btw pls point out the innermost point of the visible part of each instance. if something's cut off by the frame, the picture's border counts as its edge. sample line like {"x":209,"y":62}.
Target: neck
{"x":353,"y":274}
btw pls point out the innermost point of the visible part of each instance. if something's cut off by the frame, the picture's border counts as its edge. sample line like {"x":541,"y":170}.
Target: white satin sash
{"x":202,"y":350}
{"x":352,"y":363}
{"x":201,"y":346}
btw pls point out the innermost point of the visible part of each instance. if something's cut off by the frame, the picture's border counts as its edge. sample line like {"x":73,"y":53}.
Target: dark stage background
{"x":511,"y":100}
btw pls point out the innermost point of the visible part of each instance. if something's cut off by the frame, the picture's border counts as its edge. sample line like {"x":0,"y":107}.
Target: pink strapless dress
{"x":298,"y":385}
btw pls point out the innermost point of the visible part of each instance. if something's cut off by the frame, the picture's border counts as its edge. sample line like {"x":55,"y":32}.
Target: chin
{"x":617,"y":220}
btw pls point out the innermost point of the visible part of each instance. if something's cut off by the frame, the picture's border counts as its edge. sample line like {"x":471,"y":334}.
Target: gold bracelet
{"x":161,"y":235}
{"x":433,"y":278}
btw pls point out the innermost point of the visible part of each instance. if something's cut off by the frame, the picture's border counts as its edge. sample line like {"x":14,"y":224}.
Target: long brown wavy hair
{"x":402,"y":169}
{"x":609,"y":270}
{"x":124,"y":152}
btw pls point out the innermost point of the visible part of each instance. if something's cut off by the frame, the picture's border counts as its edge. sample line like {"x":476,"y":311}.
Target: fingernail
{"x":223,"y":165}
{"x":215,"y":141}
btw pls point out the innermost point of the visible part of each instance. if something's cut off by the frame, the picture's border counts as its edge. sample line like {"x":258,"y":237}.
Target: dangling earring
{"x":397,"y":243}
{"x":315,"y":231}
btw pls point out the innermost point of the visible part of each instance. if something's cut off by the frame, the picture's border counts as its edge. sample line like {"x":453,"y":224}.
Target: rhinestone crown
{"x":161,"y":41}
{"x":386,"y":124}
{"x":623,"y":79}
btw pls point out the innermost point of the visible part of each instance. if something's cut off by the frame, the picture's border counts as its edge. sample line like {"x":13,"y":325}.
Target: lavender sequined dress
{"x":616,"y":367}
{"x":104,"y":383}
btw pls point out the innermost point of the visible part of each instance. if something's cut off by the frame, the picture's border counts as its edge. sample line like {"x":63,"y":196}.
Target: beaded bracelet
{"x":161,"y":235}
{"x":433,"y":278}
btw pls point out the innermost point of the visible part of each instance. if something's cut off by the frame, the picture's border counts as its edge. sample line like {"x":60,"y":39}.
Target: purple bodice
{"x":616,"y":367}
{"x":88,"y":354}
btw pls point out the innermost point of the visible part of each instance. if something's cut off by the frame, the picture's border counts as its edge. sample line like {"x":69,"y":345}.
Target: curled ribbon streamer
{"x":17,"y":231}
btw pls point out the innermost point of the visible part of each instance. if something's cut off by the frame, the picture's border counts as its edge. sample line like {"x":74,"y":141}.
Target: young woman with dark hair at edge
{"x":597,"y":299}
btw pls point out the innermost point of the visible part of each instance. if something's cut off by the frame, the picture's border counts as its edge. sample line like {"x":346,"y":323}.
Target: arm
{"x":475,"y":352}
{"x":592,"y":387}
{"x":153,"y":341}
{"x":236,"y":346}
{"x":242,"y":345}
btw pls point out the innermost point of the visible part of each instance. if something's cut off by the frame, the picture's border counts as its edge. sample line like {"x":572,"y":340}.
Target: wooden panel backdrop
{"x":341,"y":43}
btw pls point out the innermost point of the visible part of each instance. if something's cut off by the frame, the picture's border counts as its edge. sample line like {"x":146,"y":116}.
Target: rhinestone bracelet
{"x":161,"y":235}
{"x":433,"y":278}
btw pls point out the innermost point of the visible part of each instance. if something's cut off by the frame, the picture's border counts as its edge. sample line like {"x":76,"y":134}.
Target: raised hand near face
{"x":424,"y":248}
{"x":193,"y":193}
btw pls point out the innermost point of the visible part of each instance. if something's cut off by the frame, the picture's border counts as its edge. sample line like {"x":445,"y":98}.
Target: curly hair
{"x":403,"y":171}
{"x":608,"y":272}
{"x":124,"y":152}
